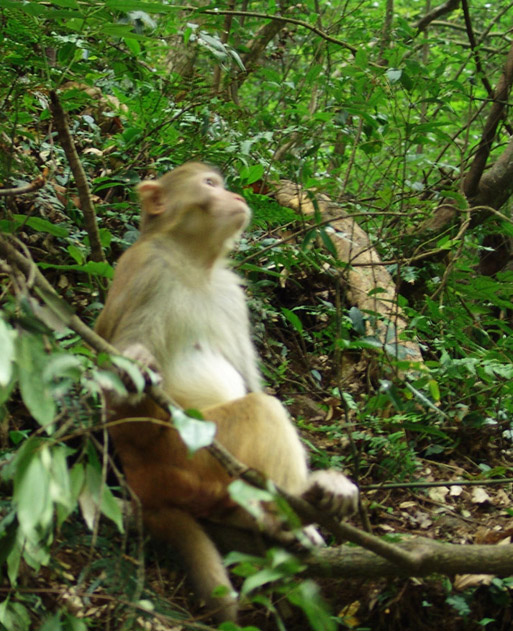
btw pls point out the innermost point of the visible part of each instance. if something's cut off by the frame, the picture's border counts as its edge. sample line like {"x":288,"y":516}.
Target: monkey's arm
{"x":133,"y":298}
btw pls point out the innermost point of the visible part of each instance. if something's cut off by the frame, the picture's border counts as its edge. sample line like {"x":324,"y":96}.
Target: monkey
{"x":176,"y":307}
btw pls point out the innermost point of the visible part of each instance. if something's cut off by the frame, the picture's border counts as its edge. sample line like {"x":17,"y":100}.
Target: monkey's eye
{"x":209,"y":181}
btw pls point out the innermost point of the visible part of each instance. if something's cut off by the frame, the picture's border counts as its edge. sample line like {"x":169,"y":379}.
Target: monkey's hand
{"x":148,"y":366}
{"x":332,"y":492}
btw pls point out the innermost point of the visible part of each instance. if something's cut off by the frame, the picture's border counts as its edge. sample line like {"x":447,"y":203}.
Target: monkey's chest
{"x":206,"y":343}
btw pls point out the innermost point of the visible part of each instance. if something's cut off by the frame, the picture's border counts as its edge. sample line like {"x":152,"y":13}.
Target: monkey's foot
{"x":332,"y":492}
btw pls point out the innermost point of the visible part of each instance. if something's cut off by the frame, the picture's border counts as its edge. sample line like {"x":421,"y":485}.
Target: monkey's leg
{"x":200,"y":557}
{"x":257,"y":430}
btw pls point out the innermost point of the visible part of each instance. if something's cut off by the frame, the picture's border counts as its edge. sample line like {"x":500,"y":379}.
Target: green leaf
{"x":67,"y":4}
{"x":263,"y":577}
{"x":53,"y":623}
{"x":406,"y":81}
{"x":7,"y":338}
{"x":41,"y":225}
{"x":107,"y":380}
{"x":60,"y":484}
{"x":133,"y":46}
{"x":74,"y":624}
{"x":252,"y":173}
{"x":32,"y":488}
{"x":14,"y":616}
{"x":76,"y":480}
{"x":307,"y":596}
{"x":394,"y":74}
{"x":92,"y":267}
{"x":57,"y":305}
{"x":11,"y":4}
{"x":195,"y":434}
{"x":328,"y":242}
{"x":77,"y":254}
{"x":132,"y":370}
{"x":8,"y":535}
{"x":434,"y":390}
{"x":293,"y":319}
{"x":96,"y":497}
{"x":36,"y":394}
{"x":357,"y":320}
{"x":249,"y":497}
{"x":123,"y":31}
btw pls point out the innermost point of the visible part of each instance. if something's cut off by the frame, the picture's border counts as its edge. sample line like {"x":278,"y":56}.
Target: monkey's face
{"x":223,"y":205}
{"x":192,"y":201}
{"x":211,"y":210}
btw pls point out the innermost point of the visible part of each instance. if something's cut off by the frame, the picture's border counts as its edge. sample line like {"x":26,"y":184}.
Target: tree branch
{"x":86,"y":203}
{"x":279,"y":18}
{"x":477,"y":56}
{"x":35,"y":185}
{"x":447,"y":7}
{"x":432,"y":557}
{"x":471,"y":184}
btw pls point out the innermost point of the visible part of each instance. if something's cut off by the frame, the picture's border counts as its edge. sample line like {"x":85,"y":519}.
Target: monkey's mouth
{"x":239,"y":211}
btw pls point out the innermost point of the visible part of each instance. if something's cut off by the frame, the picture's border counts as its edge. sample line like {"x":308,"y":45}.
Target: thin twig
{"x":84,"y":194}
{"x":35,"y":185}
{"x":279,"y":18}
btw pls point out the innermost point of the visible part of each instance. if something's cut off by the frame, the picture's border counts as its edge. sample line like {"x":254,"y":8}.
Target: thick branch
{"x":443,"y":9}
{"x":496,"y":185}
{"x":84,"y":194}
{"x":369,"y":285}
{"x":471,"y":184}
{"x":432,"y":557}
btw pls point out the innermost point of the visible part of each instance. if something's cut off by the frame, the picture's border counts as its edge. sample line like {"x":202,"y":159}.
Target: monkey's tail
{"x":201,"y":559}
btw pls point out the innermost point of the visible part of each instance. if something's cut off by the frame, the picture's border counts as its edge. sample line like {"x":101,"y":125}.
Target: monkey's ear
{"x":152,"y":197}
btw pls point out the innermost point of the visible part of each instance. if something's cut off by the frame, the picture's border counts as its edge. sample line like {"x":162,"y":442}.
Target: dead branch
{"x":35,"y":185}
{"x":84,"y":194}
{"x":431,"y":556}
{"x":369,"y":285}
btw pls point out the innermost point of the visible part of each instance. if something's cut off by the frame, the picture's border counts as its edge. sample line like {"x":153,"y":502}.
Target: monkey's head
{"x":192,"y":203}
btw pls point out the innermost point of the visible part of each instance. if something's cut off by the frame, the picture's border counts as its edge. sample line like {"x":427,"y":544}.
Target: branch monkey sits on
{"x":175,"y":306}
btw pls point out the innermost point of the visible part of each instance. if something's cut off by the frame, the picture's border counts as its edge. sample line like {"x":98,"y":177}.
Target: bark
{"x":84,"y":194}
{"x":443,"y":9}
{"x":34,"y":186}
{"x":432,"y":557}
{"x":472,"y":183}
{"x":369,"y":286}
{"x":256,"y":46}
{"x":493,"y":187}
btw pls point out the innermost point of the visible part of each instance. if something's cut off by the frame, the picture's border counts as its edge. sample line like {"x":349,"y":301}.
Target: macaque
{"x":177,"y":308}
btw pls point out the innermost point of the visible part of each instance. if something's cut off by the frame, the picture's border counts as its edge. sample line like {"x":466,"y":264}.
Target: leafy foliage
{"x":383,"y":116}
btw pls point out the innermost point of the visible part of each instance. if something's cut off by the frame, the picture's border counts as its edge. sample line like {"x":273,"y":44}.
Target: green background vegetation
{"x":366,"y":102}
